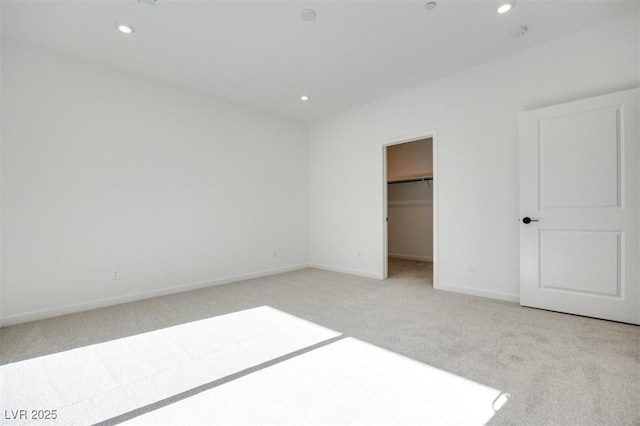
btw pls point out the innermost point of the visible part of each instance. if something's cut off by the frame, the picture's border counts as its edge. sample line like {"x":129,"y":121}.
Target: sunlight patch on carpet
{"x":346,"y":382}
{"x":97,"y":382}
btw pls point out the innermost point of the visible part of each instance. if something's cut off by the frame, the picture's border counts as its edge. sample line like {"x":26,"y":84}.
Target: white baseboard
{"x":490,"y":294}
{"x":366,"y":274}
{"x":411,"y":257}
{"x":101,"y":303}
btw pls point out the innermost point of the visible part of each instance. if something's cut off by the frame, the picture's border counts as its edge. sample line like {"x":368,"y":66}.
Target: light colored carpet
{"x":559,"y":369}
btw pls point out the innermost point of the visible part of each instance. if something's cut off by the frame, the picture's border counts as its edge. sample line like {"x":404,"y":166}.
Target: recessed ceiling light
{"x":308,"y":15}
{"x":125,"y":28}
{"x":431,"y":5}
{"x":505,"y":7}
{"x":304,"y":98}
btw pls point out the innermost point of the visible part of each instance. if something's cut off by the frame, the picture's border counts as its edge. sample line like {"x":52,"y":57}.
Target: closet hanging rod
{"x":411,"y":180}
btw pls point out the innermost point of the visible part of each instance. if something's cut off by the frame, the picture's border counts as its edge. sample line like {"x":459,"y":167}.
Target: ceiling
{"x":262,"y":54}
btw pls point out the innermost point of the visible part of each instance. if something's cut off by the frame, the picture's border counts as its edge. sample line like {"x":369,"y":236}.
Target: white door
{"x":579,"y":179}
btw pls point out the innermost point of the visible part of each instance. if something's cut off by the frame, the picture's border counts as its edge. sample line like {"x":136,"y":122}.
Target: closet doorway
{"x":410,"y":189}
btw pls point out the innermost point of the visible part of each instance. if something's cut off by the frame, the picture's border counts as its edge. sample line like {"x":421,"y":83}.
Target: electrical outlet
{"x":471,"y":267}
{"x":359,"y":255}
{"x":275,"y":254}
{"x":115,"y":274}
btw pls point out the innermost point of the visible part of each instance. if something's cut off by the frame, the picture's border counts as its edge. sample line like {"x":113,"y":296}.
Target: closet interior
{"x":410,"y":205}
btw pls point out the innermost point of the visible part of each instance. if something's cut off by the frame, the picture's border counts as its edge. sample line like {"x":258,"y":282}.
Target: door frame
{"x":426,"y":134}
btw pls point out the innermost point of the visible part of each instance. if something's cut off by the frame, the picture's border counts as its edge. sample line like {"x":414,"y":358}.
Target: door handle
{"x":527,"y":220}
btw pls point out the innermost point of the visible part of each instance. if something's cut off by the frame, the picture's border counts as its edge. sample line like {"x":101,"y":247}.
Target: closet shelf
{"x":410,"y":179}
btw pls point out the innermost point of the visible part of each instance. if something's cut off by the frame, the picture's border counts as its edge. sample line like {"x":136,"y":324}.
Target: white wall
{"x":409,"y":160}
{"x":103,"y":170}
{"x":475,"y":114}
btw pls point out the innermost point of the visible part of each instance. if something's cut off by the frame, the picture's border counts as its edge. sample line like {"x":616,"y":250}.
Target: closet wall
{"x":410,"y":204}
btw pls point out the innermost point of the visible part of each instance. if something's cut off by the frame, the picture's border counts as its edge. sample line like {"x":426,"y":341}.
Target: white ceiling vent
{"x":308,"y":15}
{"x":149,"y":2}
{"x":519,"y":32}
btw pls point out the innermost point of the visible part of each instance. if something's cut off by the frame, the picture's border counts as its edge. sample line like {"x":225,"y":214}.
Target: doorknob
{"x":527,"y":220}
